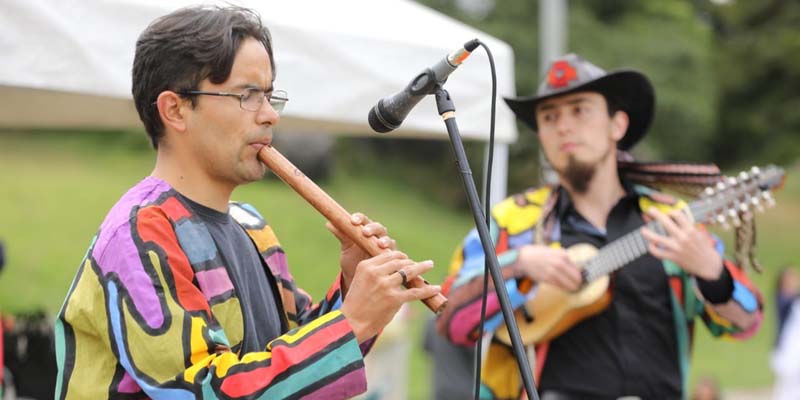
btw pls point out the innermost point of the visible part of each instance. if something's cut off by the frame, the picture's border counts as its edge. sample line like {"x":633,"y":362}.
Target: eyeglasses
{"x":251,"y":100}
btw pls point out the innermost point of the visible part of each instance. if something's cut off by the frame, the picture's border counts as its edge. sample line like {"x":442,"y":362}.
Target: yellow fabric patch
{"x":300,"y":333}
{"x":229,"y":317}
{"x":456,"y":261}
{"x":256,"y":357}
{"x":198,"y":344}
{"x":515,"y":218}
{"x":716,"y":318}
{"x":224,"y":362}
{"x":86,"y":310}
{"x":500,"y":372}
{"x":645,"y":203}
{"x":264,"y":238}
{"x":197,"y":366}
{"x":539,"y":196}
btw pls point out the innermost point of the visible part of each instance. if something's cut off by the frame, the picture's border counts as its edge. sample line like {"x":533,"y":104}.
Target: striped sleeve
{"x":512,"y":225}
{"x":167,"y":338}
{"x":742,"y":314}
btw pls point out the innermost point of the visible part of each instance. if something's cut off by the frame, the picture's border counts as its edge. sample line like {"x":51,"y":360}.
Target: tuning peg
{"x":756,"y":202}
{"x":722,"y":222}
{"x":743,"y":208}
{"x":734,"y":217}
{"x":767,"y":196}
{"x":744,"y":176}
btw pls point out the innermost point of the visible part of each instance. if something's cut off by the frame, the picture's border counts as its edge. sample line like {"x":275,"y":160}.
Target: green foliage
{"x":665,"y":41}
{"x":758,"y":68}
{"x":726,"y":75}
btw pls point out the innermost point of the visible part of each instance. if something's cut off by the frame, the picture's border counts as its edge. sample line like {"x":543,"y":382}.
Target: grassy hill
{"x":57,"y":187}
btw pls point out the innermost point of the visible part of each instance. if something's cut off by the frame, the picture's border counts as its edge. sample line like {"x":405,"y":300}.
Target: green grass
{"x":57,"y":187}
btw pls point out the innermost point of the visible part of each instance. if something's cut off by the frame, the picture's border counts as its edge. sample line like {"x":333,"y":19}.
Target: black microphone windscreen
{"x":377,"y":123}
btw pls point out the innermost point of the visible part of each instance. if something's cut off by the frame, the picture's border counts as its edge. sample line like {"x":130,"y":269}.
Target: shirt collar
{"x":565,"y":204}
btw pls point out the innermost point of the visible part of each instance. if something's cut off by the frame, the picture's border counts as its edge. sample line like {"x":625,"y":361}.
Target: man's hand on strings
{"x":686,"y":244}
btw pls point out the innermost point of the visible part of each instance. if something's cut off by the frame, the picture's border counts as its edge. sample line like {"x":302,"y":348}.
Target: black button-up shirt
{"x":631,"y":347}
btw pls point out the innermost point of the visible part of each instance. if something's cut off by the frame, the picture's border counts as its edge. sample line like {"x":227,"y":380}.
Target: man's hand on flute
{"x":373,"y":286}
{"x":352,"y":253}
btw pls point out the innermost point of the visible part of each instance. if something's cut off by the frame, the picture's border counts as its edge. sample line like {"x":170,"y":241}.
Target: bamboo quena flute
{"x":334,"y":213}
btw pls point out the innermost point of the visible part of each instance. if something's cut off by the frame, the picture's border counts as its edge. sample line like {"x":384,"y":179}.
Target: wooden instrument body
{"x":554,"y":310}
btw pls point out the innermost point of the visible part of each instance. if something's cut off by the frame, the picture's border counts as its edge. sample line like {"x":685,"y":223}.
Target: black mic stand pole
{"x":448,"y":112}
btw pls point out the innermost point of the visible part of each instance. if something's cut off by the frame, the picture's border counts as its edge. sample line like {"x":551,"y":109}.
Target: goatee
{"x":578,"y":175}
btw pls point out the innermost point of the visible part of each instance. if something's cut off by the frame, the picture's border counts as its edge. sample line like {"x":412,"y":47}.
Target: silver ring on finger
{"x":403,"y":275}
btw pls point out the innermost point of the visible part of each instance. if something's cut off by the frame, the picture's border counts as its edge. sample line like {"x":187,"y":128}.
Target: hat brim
{"x":629,"y":89}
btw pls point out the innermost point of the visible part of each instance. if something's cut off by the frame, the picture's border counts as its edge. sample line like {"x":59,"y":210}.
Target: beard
{"x":578,"y":174}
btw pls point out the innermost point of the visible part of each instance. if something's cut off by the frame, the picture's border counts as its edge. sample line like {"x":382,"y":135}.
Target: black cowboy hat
{"x":629,"y":89}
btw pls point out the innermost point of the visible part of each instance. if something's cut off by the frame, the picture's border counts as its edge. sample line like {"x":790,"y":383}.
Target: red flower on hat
{"x":560,"y":74}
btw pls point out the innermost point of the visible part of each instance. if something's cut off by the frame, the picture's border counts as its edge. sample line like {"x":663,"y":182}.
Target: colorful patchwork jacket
{"x":514,"y":223}
{"x":152,"y":313}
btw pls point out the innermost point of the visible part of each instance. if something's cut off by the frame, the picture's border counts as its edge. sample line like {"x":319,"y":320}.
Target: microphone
{"x":390,"y":111}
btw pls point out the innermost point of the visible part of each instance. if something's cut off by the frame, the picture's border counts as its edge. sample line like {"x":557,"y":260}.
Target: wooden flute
{"x":334,"y":213}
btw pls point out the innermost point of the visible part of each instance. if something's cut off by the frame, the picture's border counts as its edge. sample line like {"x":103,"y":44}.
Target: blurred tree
{"x":664,"y":39}
{"x":757,"y":65}
{"x":667,"y":42}
{"x":726,"y":74}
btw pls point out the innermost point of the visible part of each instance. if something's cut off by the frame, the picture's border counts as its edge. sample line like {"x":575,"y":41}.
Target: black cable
{"x":529,"y":384}
{"x":487,"y":205}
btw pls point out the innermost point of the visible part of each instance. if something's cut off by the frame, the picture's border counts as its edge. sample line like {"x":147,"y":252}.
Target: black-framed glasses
{"x":251,"y":100}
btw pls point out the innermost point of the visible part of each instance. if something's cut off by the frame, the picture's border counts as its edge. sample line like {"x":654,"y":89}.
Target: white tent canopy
{"x":67,"y":65}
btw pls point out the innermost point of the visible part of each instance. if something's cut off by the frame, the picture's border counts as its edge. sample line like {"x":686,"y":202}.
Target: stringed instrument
{"x":551,"y":311}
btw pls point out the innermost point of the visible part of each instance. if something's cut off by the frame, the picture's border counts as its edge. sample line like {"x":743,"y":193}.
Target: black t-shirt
{"x":631,"y":347}
{"x":256,"y":289}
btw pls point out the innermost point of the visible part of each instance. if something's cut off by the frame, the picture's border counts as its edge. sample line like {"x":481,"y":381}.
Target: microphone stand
{"x":447,"y":111}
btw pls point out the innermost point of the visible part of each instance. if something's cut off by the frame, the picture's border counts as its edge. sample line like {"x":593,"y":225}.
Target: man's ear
{"x":619,"y":125}
{"x":171,"y":108}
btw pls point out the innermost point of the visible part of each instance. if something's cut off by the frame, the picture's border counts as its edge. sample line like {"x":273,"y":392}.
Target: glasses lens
{"x":252,"y":99}
{"x":278,"y":100}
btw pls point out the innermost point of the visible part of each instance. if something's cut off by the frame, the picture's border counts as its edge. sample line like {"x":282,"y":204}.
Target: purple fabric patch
{"x":346,"y":386}
{"x":128,"y":385}
{"x":115,"y":251}
{"x":465,"y":320}
{"x":367,"y":345}
{"x":277,"y":263}
{"x":214,"y":282}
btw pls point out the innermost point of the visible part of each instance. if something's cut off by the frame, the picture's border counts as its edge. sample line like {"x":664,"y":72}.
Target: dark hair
{"x":181,"y":49}
{"x":613,"y":104}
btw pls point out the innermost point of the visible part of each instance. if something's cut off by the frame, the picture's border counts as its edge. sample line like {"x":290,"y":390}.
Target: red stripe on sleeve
{"x":248,"y":382}
{"x":153,"y":226}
